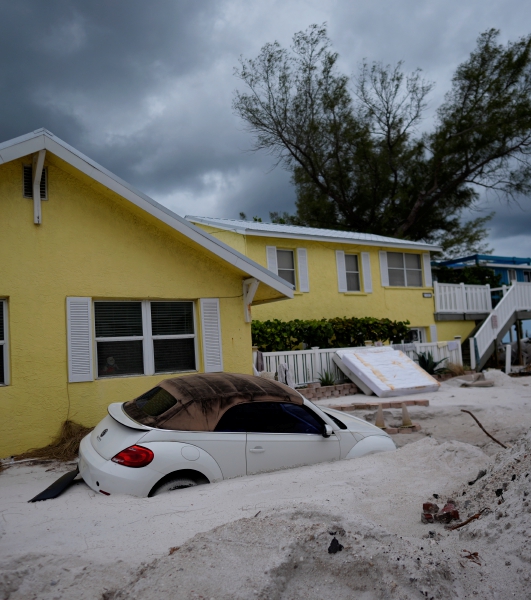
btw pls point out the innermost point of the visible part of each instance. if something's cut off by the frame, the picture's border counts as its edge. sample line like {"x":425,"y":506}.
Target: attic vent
{"x":28,"y":182}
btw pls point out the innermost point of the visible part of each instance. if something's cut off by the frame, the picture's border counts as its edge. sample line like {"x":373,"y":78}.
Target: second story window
{"x":404,"y":269}
{"x":353,"y":273}
{"x":286,"y":265}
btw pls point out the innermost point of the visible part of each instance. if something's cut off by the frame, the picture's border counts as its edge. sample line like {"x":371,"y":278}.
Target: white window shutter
{"x":433,"y":333}
{"x":211,"y":328}
{"x":272,"y":263}
{"x":367,"y":276}
{"x":384,"y":273}
{"x":302,"y":260}
{"x":341,"y":271}
{"x":79,"y":332}
{"x":427,"y":269}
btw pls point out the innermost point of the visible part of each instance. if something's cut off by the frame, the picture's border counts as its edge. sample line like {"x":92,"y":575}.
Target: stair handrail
{"x":516,"y":297}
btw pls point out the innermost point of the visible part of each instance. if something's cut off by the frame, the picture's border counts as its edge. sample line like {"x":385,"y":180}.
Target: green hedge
{"x":276,"y":335}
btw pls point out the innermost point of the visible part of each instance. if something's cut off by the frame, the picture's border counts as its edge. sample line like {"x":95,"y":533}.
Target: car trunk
{"x":110,"y":437}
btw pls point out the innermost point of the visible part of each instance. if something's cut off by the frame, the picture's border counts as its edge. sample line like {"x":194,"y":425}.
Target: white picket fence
{"x":462,"y":298}
{"x":307,"y":365}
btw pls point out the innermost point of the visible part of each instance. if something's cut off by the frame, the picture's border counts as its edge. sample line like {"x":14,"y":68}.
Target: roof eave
{"x":42,"y":139}
{"x":317,"y":238}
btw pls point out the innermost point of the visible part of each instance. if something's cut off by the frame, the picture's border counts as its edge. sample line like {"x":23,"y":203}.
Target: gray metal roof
{"x":43,"y":139}
{"x":310,"y":233}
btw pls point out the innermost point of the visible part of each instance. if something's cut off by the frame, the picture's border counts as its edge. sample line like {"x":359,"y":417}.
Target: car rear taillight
{"x":134,"y":456}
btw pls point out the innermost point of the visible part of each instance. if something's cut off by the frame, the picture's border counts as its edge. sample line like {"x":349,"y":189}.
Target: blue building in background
{"x":510,"y":268}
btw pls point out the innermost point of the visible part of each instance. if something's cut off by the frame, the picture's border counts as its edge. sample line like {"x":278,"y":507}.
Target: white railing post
{"x":472,"y":354}
{"x":463,"y":306}
{"x":508,"y":358}
{"x":457,"y":338}
{"x":489,"y":298}
{"x":315,"y":358}
{"x":436,"y":291}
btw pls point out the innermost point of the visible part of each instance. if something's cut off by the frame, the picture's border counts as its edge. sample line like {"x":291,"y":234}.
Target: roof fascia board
{"x":337,"y":240}
{"x":21,"y":148}
{"x":316,"y":238}
{"x":522,"y":267}
{"x":33,"y":143}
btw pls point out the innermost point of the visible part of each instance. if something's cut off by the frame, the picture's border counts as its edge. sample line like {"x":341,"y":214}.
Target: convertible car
{"x":203,"y":428}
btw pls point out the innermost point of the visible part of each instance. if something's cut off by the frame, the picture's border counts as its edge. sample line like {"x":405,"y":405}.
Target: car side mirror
{"x":327,"y":430}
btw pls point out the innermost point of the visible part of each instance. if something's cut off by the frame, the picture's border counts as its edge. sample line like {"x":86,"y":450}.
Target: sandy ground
{"x":267,"y":536}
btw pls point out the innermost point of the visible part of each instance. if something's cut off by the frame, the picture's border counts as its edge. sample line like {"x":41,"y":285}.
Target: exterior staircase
{"x":474,"y":303}
{"x":514,"y":306}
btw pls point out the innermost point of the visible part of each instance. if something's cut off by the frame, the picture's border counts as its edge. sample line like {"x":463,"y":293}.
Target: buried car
{"x":203,"y":428}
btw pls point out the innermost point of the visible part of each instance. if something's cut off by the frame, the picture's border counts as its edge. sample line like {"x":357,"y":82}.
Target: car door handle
{"x":257,"y":450}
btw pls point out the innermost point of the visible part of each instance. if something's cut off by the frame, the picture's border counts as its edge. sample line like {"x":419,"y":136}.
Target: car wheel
{"x":177,"y":483}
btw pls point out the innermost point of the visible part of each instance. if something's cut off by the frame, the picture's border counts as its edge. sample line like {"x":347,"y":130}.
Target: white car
{"x":203,"y":428}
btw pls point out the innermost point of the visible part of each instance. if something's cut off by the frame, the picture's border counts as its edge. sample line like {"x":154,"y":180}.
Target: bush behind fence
{"x":340,"y":332}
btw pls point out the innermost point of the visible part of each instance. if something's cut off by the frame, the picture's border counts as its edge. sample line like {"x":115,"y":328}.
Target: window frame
{"x":514,"y":272}
{"x":421,"y":333}
{"x":5,"y":343}
{"x":527,"y":276}
{"x":147,"y":338}
{"x":405,"y":269}
{"x":358,"y":260}
{"x":294,"y":266}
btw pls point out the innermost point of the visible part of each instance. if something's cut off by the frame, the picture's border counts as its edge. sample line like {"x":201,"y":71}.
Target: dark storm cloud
{"x":61,"y":60}
{"x":145,"y":88}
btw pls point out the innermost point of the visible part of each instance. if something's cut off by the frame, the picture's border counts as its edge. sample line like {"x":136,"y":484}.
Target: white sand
{"x":244,"y":538}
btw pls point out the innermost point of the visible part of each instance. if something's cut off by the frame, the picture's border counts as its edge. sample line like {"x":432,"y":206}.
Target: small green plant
{"x":327,"y":378}
{"x":429,"y":364}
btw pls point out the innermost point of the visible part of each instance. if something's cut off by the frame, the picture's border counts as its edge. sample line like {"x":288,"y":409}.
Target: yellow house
{"x":339,"y":273}
{"x":104,"y":292}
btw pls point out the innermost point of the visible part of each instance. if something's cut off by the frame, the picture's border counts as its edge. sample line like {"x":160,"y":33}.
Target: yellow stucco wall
{"x":447,"y":330}
{"x":324,"y":300}
{"x":91,"y":243}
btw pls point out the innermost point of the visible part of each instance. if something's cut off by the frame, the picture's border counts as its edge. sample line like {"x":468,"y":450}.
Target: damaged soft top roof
{"x":197,"y":402}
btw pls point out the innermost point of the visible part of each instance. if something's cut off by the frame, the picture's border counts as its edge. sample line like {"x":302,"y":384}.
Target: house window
{"x":512,"y":274}
{"x":3,"y":342}
{"x":353,"y":273}
{"x":286,"y":265}
{"x":27,"y":179}
{"x":527,"y":276}
{"x":144,"y":338}
{"x":404,"y":269}
{"x":416,"y":335}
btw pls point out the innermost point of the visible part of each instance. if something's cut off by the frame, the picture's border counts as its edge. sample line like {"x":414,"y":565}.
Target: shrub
{"x":277,"y":335}
{"x":327,"y":378}
{"x":429,"y":364}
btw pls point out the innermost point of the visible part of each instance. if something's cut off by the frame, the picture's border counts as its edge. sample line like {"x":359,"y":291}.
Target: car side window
{"x":270,"y":417}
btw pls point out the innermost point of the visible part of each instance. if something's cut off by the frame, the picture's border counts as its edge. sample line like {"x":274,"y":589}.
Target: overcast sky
{"x":145,"y":88}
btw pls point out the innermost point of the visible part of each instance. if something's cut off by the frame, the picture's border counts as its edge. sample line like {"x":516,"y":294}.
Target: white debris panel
{"x":384,"y":371}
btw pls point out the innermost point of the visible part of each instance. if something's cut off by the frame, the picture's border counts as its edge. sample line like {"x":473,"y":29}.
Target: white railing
{"x":461,"y":298}
{"x":307,"y":365}
{"x":517,"y":297}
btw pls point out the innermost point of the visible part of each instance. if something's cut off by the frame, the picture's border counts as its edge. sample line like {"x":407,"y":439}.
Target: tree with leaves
{"x":358,"y":158}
